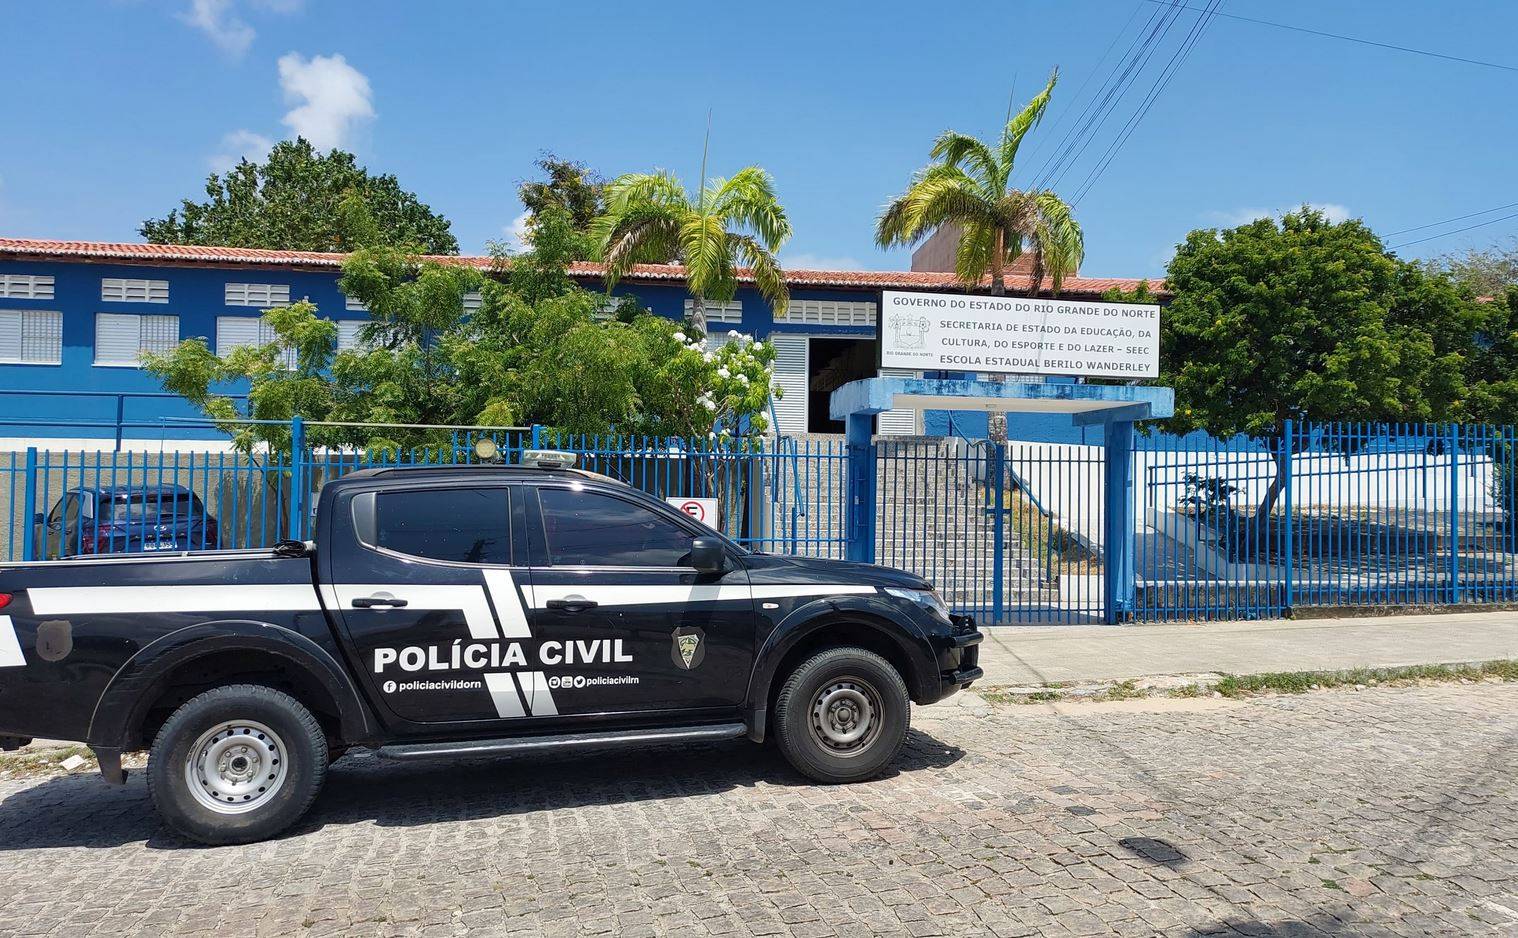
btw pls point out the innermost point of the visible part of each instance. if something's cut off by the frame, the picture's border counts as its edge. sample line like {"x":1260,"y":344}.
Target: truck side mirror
{"x":707,"y":555}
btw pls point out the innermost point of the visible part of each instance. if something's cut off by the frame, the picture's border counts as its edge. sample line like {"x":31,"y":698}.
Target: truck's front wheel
{"x":842,"y":715}
{"x":237,"y":764}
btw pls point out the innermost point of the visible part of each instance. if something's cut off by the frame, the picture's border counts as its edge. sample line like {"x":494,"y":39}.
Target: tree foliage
{"x":299,"y":199}
{"x":569,"y":187}
{"x":1305,"y":319}
{"x":650,"y":219}
{"x":534,"y":352}
{"x":1487,"y":272}
{"x":969,"y":186}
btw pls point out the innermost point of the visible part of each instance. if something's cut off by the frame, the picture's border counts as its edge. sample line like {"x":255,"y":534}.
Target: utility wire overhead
{"x":1480,"y":224}
{"x":1366,"y":42}
{"x":1043,"y":139}
{"x":1109,"y":96}
{"x":1446,"y":221}
{"x":1203,"y":20}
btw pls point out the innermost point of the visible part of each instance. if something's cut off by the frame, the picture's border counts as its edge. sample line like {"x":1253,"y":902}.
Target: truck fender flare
{"x":805,"y":621}
{"x":123,"y":706}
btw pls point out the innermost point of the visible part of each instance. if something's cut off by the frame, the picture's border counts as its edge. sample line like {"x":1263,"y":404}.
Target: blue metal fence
{"x":1327,"y":515}
{"x":1322,"y":515}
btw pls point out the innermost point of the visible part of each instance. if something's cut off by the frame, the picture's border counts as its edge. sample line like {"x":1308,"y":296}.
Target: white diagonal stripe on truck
{"x":78,"y":600}
{"x":470,"y":600}
{"x":10,"y":648}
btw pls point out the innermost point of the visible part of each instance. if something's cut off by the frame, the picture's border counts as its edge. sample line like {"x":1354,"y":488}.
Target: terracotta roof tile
{"x":45,"y":249}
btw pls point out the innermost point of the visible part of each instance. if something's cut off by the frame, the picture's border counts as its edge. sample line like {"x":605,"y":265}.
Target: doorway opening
{"x":832,"y":363}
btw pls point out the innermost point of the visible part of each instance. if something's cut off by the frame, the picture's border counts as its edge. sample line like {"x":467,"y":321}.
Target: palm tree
{"x":967,"y":186}
{"x":650,"y":219}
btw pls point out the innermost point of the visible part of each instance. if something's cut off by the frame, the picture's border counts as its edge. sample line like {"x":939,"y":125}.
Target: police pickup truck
{"x":461,"y":611}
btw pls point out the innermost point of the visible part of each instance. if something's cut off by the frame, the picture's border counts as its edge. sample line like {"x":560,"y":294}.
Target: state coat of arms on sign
{"x":687,"y":647}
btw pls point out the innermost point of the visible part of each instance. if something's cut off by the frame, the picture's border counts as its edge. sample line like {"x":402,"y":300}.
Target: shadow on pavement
{"x":82,"y":811}
{"x":1318,"y":925}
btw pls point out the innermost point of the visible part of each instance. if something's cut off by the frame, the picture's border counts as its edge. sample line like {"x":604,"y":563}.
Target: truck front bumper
{"x":964,"y":645}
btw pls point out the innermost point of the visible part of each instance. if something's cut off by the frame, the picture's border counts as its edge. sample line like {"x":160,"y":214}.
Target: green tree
{"x":969,"y":186}
{"x":534,"y":352}
{"x":302,"y":200}
{"x":1305,"y":319}
{"x":1484,"y":271}
{"x":570,"y":187}
{"x":731,"y":223}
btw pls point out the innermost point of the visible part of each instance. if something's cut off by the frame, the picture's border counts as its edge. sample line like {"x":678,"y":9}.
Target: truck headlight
{"x":927,"y":599}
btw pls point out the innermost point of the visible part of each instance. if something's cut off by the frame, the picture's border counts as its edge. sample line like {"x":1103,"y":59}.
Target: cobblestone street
{"x":1387,"y":811}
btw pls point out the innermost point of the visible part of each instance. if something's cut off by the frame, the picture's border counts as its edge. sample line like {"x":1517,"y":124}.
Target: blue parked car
{"x":126,"y":519}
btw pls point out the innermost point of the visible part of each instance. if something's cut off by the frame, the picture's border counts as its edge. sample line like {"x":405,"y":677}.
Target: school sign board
{"x":1019,"y":335}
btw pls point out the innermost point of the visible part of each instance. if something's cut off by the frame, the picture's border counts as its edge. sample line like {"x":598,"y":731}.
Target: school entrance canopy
{"x":1113,"y":407}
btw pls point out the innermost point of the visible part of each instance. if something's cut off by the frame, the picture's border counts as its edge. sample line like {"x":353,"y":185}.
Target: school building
{"x":75,"y":317}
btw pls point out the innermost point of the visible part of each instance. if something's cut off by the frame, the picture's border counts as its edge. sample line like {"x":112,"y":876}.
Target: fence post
{"x":297,"y":526}
{"x":999,"y":530}
{"x":859,"y":517}
{"x":120,"y":419}
{"x":29,"y":499}
{"x":1289,"y":536}
{"x":1454,"y":513}
{"x":537,"y":435}
{"x":1117,"y":529}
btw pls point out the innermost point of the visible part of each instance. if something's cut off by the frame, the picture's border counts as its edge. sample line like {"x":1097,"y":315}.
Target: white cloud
{"x":221,"y":21}
{"x":332,"y":98}
{"x":822,"y":262}
{"x":1333,"y":211}
{"x":516,"y":234}
{"x":239,"y":145}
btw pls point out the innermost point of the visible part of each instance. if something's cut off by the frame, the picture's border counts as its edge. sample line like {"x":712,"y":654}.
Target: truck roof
{"x":493,"y":471}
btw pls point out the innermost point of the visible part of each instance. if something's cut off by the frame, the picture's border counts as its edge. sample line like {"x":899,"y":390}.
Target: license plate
{"x":161,"y":545}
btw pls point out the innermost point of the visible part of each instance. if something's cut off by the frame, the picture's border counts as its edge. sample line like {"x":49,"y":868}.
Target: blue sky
{"x":117,"y":109}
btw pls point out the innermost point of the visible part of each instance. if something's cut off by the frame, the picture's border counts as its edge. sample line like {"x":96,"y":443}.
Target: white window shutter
{"x":158,"y":333}
{"x":42,"y":337}
{"x":234,"y":332}
{"x":791,"y":359}
{"x":261,"y":295}
{"x":26,"y":286}
{"x":118,"y":336}
{"x":354,"y":306}
{"x":731,"y":311}
{"x":898,"y":422}
{"x":347,"y":333}
{"x":830,"y":313}
{"x":473,"y":300}
{"x":11,"y":324}
{"x":123,"y":290}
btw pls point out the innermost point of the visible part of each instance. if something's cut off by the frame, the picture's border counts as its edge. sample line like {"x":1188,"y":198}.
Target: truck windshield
{"x":153,"y":506}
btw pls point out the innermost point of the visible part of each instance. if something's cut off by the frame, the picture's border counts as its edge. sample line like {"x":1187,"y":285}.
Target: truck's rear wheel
{"x":842,"y":715}
{"x":237,"y":764}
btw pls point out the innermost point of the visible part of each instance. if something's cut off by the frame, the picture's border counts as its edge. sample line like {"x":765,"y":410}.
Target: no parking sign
{"x":703,"y":510}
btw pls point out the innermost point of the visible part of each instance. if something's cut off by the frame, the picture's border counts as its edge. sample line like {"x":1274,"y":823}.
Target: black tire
{"x":842,"y":678}
{"x":245,"y":735}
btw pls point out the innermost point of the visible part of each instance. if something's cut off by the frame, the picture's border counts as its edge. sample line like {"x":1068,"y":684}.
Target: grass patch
{"x":1297,"y":682}
{"x":1254,"y":685}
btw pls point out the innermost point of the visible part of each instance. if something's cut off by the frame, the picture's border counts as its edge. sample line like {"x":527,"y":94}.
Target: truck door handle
{"x":572,"y":604}
{"x":369,"y":602}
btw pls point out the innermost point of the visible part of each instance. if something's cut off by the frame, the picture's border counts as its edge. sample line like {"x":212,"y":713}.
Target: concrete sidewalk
{"x":1047,"y":654}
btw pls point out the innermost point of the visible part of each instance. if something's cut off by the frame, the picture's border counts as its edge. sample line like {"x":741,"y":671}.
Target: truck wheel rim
{"x":846,"y":716}
{"x":236,"y":767}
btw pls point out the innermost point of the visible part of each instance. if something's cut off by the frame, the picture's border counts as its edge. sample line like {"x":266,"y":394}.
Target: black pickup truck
{"x":462,"y":611}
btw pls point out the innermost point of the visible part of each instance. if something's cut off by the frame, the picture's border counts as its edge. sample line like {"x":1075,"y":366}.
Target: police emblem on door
{"x":687,"y":647}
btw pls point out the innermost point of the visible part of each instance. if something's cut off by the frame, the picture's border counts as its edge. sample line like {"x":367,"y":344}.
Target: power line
{"x":1044,"y":138}
{"x":1446,"y":234}
{"x":1109,"y":96}
{"x":1177,"y":59}
{"x":1435,"y":224}
{"x":1366,"y":42}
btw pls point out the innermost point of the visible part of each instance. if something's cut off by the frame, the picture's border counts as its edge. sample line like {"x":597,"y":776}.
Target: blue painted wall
{"x":81,"y":399}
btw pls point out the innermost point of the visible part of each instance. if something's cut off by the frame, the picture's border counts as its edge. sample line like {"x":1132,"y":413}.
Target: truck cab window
{"x":589,"y":529}
{"x":459,"y":525}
